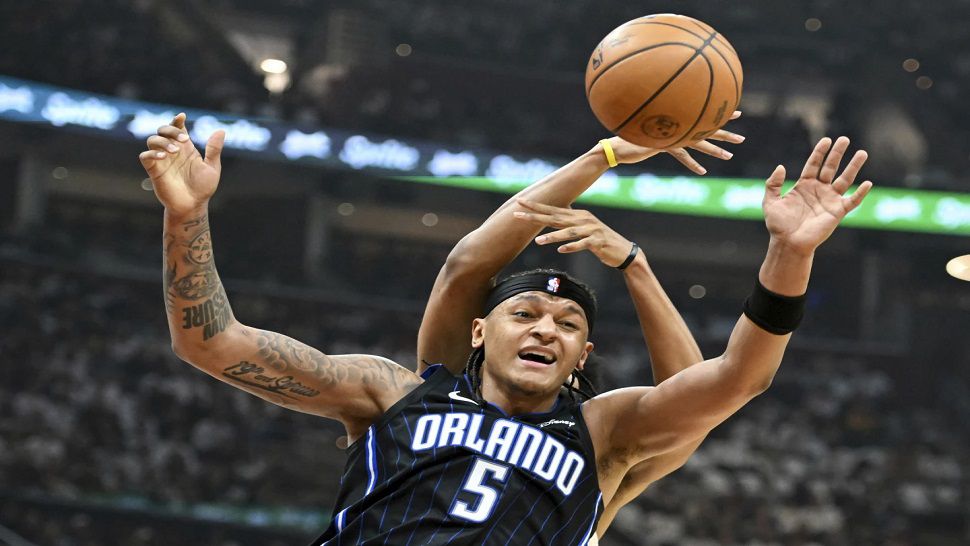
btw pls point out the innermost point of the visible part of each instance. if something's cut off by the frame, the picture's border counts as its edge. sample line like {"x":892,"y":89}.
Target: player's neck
{"x":515,"y":402}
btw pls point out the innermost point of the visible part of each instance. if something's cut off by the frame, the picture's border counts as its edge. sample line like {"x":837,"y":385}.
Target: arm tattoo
{"x":255,"y":376}
{"x":283,"y":354}
{"x":190,"y":276}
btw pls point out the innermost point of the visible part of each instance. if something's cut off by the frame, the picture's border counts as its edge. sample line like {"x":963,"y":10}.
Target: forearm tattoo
{"x":190,"y":277}
{"x":285,"y":354}
{"x":255,"y":376}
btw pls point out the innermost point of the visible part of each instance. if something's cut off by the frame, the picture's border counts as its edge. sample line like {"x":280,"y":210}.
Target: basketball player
{"x":468,"y":275}
{"x":499,"y":455}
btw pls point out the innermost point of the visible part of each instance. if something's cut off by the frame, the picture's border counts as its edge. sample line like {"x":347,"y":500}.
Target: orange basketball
{"x":664,"y":81}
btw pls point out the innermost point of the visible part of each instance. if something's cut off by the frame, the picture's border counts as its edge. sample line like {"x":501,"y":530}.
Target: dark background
{"x":106,"y":438}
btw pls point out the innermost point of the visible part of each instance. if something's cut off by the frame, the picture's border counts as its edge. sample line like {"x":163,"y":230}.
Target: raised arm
{"x":671,"y":346}
{"x":638,"y":423}
{"x":355,"y":389}
{"x":463,"y":282}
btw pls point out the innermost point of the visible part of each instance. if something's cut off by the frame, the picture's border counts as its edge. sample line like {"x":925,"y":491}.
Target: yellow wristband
{"x":608,"y":150}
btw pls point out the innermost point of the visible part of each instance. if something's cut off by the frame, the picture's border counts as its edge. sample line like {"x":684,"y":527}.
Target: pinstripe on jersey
{"x":438,"y":468}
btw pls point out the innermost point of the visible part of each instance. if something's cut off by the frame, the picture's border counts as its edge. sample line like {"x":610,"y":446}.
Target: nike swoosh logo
{"x":455,"y":396}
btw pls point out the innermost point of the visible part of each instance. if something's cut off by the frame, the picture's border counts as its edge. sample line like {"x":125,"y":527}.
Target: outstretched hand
{"x":182,"y":178}
{"x":627,"y":152}
{"x":807,"y":215}
{"x":580,"y":228}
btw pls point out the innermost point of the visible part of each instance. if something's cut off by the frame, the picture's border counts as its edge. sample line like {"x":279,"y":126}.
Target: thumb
{"x":773,"y":184}
{"x":213,"y":149}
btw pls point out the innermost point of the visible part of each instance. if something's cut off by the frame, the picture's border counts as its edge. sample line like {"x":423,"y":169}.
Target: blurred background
{"x":358,"y":134}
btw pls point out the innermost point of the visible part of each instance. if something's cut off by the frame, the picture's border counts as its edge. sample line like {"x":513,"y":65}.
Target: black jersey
{"x":438,"y":468}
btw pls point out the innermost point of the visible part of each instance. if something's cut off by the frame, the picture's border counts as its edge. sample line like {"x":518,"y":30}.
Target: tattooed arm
{"x":355,"y":389}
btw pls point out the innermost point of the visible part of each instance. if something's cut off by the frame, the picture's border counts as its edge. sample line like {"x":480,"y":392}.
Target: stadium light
{"x":272,"y":66}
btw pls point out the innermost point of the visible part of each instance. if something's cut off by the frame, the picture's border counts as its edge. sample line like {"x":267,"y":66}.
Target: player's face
{"x":533,"y":342}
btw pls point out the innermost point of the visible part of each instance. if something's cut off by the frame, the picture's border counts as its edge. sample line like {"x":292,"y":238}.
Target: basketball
{"x":664,"y":81}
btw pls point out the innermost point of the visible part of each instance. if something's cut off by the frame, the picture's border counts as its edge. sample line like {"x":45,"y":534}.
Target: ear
{"x":478,"y":333}
{"x":582,"y":358}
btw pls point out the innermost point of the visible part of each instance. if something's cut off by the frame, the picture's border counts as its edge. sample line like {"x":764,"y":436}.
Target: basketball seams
{"x":734,"y":76}
{"x":697,"y":52}
{"x":718,"y":39}
{"x":664,"y":23}
{"x":629,"y":55}
{"x":707,"y":100}
{"x":723,"y":41}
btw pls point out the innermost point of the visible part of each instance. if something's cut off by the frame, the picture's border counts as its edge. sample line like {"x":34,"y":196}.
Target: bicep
{"x":445,"y":333}
{"x":650,"y":421}
{"x":644,"y":473}
{"x":292,"y":374}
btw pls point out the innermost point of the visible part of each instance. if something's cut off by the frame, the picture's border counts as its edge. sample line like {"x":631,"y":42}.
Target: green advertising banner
{"x":894,"y":209}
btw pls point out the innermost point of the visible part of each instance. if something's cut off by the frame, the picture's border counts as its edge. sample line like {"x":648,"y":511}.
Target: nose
{"x":545,"y":328}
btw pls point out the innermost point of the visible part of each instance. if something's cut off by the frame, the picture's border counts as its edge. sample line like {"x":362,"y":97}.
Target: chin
{"x":528,"y":387}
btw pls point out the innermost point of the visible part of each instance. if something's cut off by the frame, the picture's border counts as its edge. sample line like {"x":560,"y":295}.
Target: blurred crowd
{"x":96,"y":412}
{"x":94,"y":405}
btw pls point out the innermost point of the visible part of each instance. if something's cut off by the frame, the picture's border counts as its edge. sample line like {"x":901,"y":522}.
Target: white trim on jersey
{"x":340,"y":519}
{"x":371,"y":462}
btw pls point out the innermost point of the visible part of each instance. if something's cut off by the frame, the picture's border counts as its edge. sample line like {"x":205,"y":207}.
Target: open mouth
{"x":537,"y":357}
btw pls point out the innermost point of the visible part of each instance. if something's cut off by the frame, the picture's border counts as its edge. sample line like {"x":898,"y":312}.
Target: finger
{"x":213,"y":149}
{"x":847,"y":178}
{"x":681,"y":155}
{"x":711,"y":149}
{"x":162,"y":144}
{"x":735,"y":115}
{"x":179,"y":121}
{"x":538,"y":218}
{"x":149,"y":157}
{"x":831,"y":165}
{"x":774,"y":183}
{"x":174,"y":133}
{"x":541,"y":207}
{"x":575,"y":246}
{"x":854,"y":200}
{"x":814,"y":163}
{"x":727,"y":136}
{"x":565,"y":234}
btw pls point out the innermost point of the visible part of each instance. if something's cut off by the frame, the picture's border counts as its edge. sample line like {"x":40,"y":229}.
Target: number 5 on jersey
{"x":481,"y":508}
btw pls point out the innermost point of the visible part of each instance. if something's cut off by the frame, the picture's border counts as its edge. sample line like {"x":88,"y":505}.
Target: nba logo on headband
{"x":552,"y":285}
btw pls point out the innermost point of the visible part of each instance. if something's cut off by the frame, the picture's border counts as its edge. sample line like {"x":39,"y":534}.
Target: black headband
{"x":550,"y":283}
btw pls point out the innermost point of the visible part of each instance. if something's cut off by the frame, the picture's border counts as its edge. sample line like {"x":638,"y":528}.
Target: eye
{"x":569,"y":325}
{"x":522,"y":314}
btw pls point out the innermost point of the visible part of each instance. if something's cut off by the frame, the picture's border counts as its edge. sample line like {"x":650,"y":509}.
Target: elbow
{"x":463,"y":261}
{"x":760,"y":386}
{"x":182,"y":352}
{"x":748,"y":382}
{"x":459,"y":259}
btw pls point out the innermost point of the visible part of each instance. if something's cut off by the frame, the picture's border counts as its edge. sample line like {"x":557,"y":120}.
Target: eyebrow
{"x":569,"y":307}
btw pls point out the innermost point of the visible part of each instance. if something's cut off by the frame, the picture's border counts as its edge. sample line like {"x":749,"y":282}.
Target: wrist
{"x":631,"y":256}
{"x":786,"y":269}
{"x":596,"y":156}
{"x":639,"y":265}
{"x":786,"y":248}
{"x":186,"y":214}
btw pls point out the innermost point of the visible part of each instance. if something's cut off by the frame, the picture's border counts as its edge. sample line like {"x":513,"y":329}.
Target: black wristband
{"x":774,"y":313}
{"x":629,"y":259}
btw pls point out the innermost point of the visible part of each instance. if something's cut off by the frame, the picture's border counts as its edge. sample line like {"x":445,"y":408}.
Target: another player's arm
{"x":672,"y":349}
{"x":671,"y":346}
{"x":463,"y":282}
{"x":638,"y":423}
{"x":352,"y":388}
